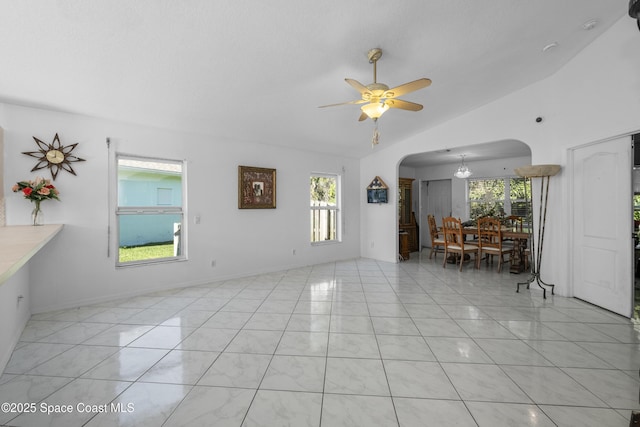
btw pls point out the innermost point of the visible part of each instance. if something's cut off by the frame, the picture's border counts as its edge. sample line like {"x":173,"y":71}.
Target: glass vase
{"x":37,"y":216}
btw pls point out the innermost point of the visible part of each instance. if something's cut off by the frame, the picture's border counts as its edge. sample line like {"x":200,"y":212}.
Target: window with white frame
{"x":499,"y":197}
{"x":520,"y":198}
{"x":325,"y":208}
{"x":150,"y":213}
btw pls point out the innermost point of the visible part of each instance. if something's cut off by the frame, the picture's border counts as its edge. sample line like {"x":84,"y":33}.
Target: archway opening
{"x":436,"y":191}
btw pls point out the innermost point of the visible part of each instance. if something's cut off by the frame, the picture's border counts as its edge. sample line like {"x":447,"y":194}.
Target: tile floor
{"x":354,"y":343}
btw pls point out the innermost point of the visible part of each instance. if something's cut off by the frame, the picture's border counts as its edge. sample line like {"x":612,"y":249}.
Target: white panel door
{"x":602,"y":225}
{"x":436,"y":200}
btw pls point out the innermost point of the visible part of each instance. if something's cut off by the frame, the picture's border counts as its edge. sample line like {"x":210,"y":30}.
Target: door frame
{"x":572,"y":213}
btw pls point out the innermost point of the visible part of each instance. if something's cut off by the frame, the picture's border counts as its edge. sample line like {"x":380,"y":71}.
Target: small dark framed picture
{"x":378,"y":195}
{"x":377,"y":191}
{"x":256,"y":188}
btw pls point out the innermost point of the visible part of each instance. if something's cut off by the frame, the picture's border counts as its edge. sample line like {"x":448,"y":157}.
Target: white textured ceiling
{"x":256,"y":70}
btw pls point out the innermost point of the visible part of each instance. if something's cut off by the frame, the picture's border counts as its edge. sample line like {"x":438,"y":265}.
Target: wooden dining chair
{"x":490,"y":240}
{"x":437,"y":237}
{"x":514,"y":222}
{"x":454,"y":244}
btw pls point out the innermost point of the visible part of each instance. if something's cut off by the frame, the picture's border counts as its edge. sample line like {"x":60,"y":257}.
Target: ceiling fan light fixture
{"x":463,"y":170}
{"x":376,"y":98}
{"x":374,"y":110}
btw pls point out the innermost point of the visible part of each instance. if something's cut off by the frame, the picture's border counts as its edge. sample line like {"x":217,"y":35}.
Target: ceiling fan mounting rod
{"x":375,"y":72}
{"x":373,"y":55}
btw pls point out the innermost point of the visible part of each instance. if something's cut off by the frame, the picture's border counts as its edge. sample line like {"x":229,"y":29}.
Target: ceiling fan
{"x":378,"y":98}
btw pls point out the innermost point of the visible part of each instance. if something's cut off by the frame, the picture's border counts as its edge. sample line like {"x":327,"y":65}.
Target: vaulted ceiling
{"x":255,"y":70}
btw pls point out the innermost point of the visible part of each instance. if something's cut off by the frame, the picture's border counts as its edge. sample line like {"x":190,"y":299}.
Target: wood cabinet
{"x":403,"y":237}
{"x":406,"y":216}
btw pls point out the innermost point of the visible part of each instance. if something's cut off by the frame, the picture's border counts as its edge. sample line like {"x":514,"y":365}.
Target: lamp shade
{"x":537,"y":171}
{"x":374,"y":109}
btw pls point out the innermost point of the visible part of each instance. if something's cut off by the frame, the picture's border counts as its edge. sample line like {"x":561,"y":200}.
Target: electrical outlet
{"x":196,"y":219}
{"x":213,"y":263}
{"x":372,"y":244}
{"x":293,"y":252}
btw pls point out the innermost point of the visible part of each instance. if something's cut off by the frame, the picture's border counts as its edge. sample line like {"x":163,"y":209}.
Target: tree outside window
{"x":520,"y":198}
{"x":486,"y":198}
{"x":636,"y":210}
{"x":325,"y":211}
{"x":499,"y":197}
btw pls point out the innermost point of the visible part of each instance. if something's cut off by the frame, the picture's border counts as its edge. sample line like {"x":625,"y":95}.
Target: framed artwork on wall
{"x":256,"y":188}
{"x":377,"y":191}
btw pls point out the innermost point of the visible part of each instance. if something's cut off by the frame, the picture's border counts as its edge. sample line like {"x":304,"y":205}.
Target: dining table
{"x":520,"y":239}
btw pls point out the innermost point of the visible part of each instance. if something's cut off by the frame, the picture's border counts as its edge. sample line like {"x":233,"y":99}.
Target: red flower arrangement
{"x":37,"y":191}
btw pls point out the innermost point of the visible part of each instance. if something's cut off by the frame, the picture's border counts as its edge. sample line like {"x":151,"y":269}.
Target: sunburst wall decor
{"x":54,"y":156}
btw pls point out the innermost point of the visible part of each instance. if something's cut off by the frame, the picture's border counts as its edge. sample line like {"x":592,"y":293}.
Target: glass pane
{"x":479,"y":209}
{"x":323,"y":191}
{"x":520,"y":209}
{"x":486,"y":197}
{"x":520,"y":189}
{"x":147,"y":236}
{"x":486,"y":190}
{"x":149,"y":183}
{"x":323,"y":225}
{"x":405,"y":213}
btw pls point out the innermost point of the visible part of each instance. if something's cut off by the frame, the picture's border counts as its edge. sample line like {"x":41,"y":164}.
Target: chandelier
{"x":463,"y":170}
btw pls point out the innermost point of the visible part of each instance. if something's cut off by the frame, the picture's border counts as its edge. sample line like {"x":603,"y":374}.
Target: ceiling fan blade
{"x":407,"y":88}
{"x":363,"y":117}
{"x":358,"y":86}
{"x":357,"y":101}
{"x":403,"y":105}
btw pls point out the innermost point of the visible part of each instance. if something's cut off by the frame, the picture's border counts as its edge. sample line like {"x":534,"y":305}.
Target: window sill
{"x":151,"y":262}
{"x":326,"y":242}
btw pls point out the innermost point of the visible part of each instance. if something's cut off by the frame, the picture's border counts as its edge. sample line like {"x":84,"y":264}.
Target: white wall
{"x":74,"y":269}
{"x":14,"y":313}
{"x":2,"y":216}
{"x":595,"y":96}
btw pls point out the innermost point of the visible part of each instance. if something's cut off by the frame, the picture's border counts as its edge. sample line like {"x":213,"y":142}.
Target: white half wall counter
{"x":18,"y":244}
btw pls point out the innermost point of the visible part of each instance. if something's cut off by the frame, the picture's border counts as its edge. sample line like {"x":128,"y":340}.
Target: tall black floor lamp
{"x":544,"y":172}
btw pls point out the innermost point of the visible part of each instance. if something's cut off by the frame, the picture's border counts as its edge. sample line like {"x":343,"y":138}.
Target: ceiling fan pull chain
{"x":376,"y":134}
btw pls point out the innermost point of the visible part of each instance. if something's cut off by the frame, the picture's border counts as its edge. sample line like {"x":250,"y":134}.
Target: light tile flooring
{"x":354,"y":343}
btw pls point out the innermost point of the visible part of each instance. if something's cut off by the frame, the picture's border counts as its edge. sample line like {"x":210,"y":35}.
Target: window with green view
{"x":499,"y":197}
{"x":150,"y":210}
{"x":325,"y":208}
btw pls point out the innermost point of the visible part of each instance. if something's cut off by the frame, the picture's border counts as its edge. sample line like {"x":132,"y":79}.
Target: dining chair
{"x":490,"y":240}
{"x":454,"y":244}
{"x":437,"y":237}
{"x":514,"y":222}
